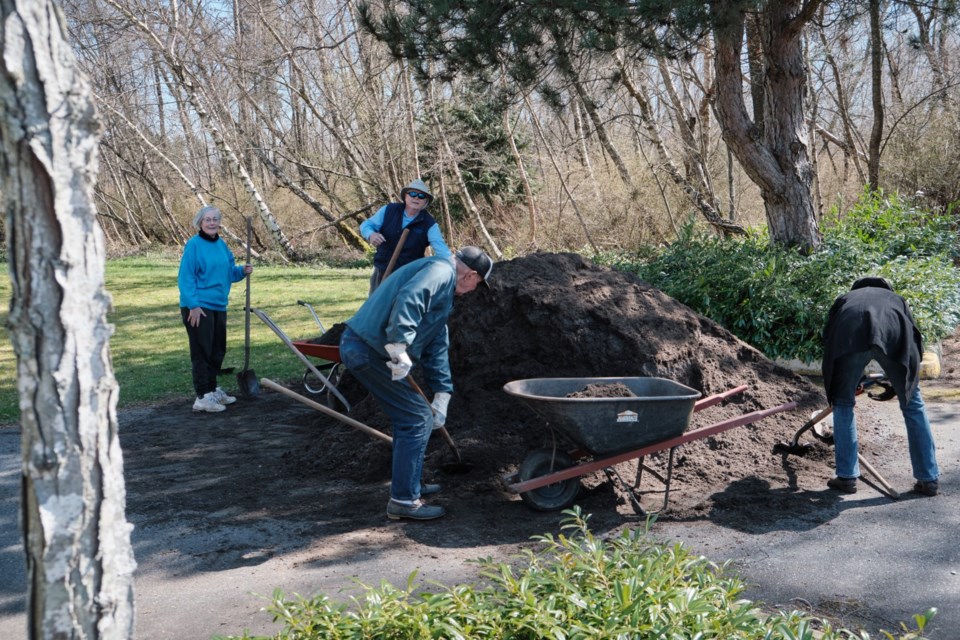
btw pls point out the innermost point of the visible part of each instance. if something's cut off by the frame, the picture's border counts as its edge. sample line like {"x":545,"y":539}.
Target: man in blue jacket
{"x":871,"y":322}
{"x":404,"y":322}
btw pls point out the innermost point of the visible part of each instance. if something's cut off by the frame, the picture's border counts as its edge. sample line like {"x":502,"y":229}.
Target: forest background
{"x":601,"y":126}
{"x":294,"y":113}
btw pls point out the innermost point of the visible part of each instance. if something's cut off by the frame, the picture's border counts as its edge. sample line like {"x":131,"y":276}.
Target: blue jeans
{"x":410,"y":415}
{"x":847,"y":372}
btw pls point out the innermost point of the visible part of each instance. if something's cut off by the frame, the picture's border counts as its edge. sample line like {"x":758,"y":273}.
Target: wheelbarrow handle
{"x":313,"y":313}
{"x":287,"y":341}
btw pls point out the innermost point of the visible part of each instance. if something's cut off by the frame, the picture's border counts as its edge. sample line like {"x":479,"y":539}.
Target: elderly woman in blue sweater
{"x":207,"y":270}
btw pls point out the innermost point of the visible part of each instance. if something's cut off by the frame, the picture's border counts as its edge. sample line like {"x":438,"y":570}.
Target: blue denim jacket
{"x":411,"y":307}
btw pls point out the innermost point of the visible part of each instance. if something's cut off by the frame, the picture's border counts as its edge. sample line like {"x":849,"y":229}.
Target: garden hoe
{"x":247,"y":379}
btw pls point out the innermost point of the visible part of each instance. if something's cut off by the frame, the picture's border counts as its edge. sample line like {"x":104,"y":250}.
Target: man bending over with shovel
{"x":871,"y":322}
{"x":404,"y":322}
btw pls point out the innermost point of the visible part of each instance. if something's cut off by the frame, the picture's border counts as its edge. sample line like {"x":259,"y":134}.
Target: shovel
{"x":443,"y":430}
{"x":813,"y":425}
{"x":247,"y":379}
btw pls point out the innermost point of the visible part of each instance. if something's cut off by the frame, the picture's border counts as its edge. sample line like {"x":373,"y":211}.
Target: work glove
{"x":400,"y":363}
{"x":439,"y":405}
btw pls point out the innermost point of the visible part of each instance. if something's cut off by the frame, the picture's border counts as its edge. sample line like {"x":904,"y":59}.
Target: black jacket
{"x":872,"y":317}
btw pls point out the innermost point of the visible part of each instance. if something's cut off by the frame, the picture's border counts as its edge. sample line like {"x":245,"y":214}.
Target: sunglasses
{"x":417,"y":195}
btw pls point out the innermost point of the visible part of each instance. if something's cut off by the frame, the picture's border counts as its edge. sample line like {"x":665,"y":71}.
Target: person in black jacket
{"x":872,"y":322}
{"x":385,"y":228}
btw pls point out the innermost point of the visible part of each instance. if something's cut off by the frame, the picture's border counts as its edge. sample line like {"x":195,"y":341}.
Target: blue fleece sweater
{"x":207,"y":269}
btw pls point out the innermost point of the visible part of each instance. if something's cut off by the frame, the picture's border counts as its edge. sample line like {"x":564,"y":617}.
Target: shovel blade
{"x":249,"y":384}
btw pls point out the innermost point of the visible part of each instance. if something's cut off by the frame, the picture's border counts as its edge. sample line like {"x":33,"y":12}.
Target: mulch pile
{"x":558,"y":315}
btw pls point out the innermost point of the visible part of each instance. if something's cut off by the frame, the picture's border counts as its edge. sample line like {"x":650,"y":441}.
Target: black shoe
{"x":843,"y":485}
{"x":927,"y":487}
{"x":428,"y":489}
{"x":416,"y":511}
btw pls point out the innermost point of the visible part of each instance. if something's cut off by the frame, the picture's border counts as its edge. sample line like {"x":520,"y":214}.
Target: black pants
{"x":208,"y":347}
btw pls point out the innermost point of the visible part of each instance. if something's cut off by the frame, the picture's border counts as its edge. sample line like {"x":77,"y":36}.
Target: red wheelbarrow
{"x":329,"y":353}
{"x":607,"y":431}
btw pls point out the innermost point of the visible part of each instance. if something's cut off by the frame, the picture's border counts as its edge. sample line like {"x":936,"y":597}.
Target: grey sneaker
{"x":428,"y":489}
{"x":925,"y":487}
{"x":208,"y":403}
{"x":843,"y":485}
{"x":416,"y":511}
{"x":223,"y":398}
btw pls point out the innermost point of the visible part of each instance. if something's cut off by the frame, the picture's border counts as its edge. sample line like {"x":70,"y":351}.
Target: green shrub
{"x":777,"y":299}
{"x":574,"y":587}
{"x":892,"y":227}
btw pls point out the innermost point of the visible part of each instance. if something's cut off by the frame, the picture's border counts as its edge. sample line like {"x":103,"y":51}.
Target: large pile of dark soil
{"x":557,"y":315}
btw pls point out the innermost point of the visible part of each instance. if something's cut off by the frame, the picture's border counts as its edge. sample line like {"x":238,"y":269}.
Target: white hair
{"x":203,"y":212}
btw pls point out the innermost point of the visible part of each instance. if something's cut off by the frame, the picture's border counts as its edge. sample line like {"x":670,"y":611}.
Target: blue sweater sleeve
{"x":187,"y":277}
{"x":437,"y":243}
{"x":207,"y":269}
{"x":372,"y":225}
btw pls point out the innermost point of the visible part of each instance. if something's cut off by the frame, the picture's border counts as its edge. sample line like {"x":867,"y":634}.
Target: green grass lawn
{"x":149,"y":348}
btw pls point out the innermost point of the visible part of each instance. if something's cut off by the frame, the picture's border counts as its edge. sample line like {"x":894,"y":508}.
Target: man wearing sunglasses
{"x":385,"y":229}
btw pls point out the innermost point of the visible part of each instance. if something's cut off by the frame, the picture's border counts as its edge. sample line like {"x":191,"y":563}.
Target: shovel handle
{"x":246,"y":320}
{"x":347,"y":420}
{"x":443,"y":430}
{"x":879,"y":478}
{"x":396,"y":254}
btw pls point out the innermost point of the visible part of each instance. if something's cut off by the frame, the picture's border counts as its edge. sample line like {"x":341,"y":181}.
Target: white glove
{"x":439,"y":405}
{"x":400,"y":363}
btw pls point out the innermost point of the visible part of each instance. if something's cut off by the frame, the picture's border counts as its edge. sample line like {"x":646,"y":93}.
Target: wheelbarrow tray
{"x":329,"y":352}
{"x":660,"y":411}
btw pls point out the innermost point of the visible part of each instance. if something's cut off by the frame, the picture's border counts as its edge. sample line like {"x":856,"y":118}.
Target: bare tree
{"x":79,"y":560}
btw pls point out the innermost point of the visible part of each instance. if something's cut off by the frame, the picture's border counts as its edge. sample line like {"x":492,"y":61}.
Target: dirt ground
{"x":548,"y":315}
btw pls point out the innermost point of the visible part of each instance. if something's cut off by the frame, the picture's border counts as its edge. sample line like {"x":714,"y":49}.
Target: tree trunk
{"x":876,"y":75}
{"x":777,"y":160}
{"x":79,"y":559}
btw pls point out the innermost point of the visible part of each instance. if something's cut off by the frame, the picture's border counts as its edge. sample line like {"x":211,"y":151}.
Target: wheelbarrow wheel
{"x":555,"y":496}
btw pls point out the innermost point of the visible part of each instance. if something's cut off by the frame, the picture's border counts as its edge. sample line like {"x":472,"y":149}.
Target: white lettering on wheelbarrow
{"x":627,"y":416}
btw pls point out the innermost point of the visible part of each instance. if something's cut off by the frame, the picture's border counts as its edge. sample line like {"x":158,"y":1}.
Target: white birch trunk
{"x":79,"y":559}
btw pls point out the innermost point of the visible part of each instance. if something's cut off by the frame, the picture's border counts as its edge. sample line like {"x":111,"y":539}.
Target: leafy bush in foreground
{"x":777,"y":299}
{"x":576,"y":587}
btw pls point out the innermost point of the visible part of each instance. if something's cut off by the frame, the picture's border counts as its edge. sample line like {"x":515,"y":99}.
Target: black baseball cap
{"x":478,"y":260}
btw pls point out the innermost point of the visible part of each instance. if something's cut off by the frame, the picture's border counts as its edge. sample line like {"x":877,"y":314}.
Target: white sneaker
{"x":208,"y":403}
{"x":223,"y":398}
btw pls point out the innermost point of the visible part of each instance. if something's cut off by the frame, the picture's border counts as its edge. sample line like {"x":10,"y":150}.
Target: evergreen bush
{"x":777,"y":299}
{"x":574,"y":587}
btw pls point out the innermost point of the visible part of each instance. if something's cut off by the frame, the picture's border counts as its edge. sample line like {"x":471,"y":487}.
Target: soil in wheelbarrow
{"x":558,"y":315}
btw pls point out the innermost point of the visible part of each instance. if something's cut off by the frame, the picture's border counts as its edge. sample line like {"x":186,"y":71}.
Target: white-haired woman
{"x":207,"y":270}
